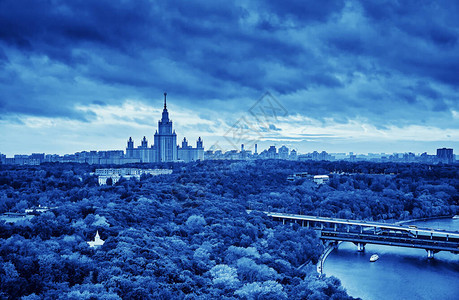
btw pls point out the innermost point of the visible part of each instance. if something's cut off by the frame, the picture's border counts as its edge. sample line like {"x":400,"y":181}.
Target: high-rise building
{"x":272,"y":152}
{"x":164,"y":148}
{"x":130,"y":148}
{"x":165,"y":138}
{"x":445,"y":155}
{"x":283,"y":152}
{"x":293,"y":155}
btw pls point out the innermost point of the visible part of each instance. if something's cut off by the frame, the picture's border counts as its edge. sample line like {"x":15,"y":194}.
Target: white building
{"x":39,"y":209}
{"x":320,"y":179}
{"x":97,"y":241}
{"x":128,"y":173}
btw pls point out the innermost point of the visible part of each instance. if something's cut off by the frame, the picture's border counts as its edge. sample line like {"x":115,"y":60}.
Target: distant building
{"x":321,"y":179}
{"x":426,"y":158}
{"x":316,"y":156}
{"x":409,"y":157}
{"x":128,"y":173}
{"x":293,"y":155}
{"x":298,"y":175}
{"x":165,"y":147}
{"x":38,"y":210}
{"x":263,"y":154}
{"x":283,"y":152}
{"x":339,"y":155}
{"x":445,"y":155}
{"x":272,"y":152}
{"x":209,"y":154}
{"x":12,"y":218}
{"x":23,"y":160}
{"x":325,"y":156}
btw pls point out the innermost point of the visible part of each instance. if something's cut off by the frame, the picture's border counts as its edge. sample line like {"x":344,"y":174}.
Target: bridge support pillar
{"x":430,"y":254}
{"x":360,"y":247}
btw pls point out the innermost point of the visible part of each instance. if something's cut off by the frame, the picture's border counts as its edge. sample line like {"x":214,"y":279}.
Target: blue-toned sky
{"x":350,"y":76}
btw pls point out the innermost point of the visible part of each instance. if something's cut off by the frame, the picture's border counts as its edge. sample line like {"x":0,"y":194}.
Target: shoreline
{"x":323,"y":257}
{"x":424,"y":219}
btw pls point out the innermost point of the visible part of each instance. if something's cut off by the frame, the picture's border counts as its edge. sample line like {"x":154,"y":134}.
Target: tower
{"x":130,"y":148}
{"x":165,"y":139}
{"x":144,"y":143}
{"x":199,"y":150}
{"x":130,"y":143}
{"x":164,"y":147}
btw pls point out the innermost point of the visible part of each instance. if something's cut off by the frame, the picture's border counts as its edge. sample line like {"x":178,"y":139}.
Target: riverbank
{"x":424,"y":219}
{"x":323,"y":257}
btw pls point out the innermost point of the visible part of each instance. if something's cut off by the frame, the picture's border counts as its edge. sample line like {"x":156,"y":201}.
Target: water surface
{"x":400,"y":273}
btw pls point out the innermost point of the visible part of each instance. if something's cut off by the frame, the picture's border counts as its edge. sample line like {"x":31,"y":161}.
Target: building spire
{"x":165,"y":118}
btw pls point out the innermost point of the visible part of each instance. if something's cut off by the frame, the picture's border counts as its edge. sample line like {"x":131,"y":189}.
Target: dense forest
{"x":188,"y":235}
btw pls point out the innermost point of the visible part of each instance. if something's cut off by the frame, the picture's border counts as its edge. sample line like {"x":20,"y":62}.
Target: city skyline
{"x":303,"y":146}
{"x":351,"y":76}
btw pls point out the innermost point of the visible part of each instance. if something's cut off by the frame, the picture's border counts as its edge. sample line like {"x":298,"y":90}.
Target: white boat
{"x":374,"y":257}
{"x":456,"y":217}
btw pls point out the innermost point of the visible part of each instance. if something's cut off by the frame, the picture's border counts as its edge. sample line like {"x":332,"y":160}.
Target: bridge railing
{"x":312,"y":221}
{"x":363,"y":232}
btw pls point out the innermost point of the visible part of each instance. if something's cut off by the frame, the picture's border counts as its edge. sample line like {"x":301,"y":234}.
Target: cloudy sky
{"x":342,"y":75}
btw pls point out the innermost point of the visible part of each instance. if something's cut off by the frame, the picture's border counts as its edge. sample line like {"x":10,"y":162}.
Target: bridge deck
{"x":410,"y":242}
{"x":404,"y":228}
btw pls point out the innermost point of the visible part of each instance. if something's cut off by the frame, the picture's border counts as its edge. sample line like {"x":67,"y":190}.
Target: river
{"x":400,"y":273}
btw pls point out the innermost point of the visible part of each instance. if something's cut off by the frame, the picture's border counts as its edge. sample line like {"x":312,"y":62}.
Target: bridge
{"x":368,"y":232}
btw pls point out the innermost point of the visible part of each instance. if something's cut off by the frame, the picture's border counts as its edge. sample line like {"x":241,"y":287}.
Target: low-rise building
{"x":97,"y":241}
{"x":12,"y":218}
{"x":39,"y":209}
{"x":298,"y":175}
{"x":128,"y":173}
{"x":321,"y":179}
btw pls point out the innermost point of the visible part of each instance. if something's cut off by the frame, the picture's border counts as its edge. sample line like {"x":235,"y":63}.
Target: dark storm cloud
{"x":56,"y":55}
{"x":305,"y":11}
{"x":423,"y":38}
{"x":98,"y":102}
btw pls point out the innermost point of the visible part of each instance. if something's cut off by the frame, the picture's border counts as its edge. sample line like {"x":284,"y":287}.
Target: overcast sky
{"x":345,"y":75}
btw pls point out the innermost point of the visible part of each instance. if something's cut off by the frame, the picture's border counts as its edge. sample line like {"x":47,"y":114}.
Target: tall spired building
{"x":165,"y":147}
{"x":165,"y":138}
